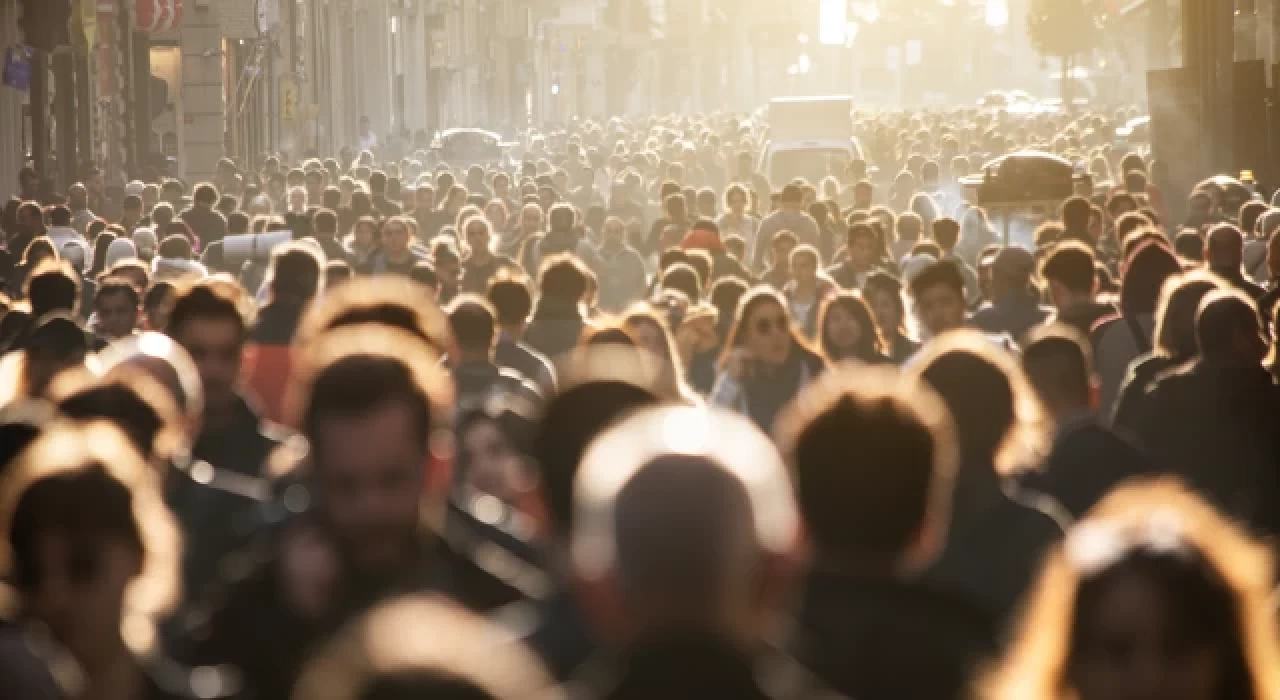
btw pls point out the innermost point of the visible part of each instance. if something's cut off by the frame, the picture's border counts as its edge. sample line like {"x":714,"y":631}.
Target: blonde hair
{"x":1140,"y":514}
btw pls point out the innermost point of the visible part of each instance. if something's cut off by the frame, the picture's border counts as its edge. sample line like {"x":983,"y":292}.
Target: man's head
{"x":563,"y":278}
{"x":479,"y":237}
{"x":60,"y":216}
{"x":561,"y":218}
{"x":1228,"y":329}
{"x":860,"y":244}
{"x":874,"y":458}
{"x":78,"y":196}
{"x":910,"y":226}
{"x":1059,"y":364}
{"x":946,"y":233}
{"x":684,"y":520}
{"x":206,"y":195}
{"x":117,"y":306}
{"x":1069,"y":269}
{"x":385,"y":386}
{"x":511,"y":301}
{"x":294,"y":274}
{"x":378,"y":183}
{"x":782,"y":244}
{"x":1075,"y":215}
{"x":1011,"y":272}
{"x":324,"y":224}
{"x":938,"y":291}
{"x":473,"y":325}
{"x":53,"y":286}
{"x":1225,"y":249}
{"x":206,"y":320}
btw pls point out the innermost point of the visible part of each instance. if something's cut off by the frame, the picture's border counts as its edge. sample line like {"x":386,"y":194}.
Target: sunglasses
{"x":766,"y":325}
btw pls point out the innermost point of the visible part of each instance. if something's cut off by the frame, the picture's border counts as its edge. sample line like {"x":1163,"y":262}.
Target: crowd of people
{"x":620,"y":417}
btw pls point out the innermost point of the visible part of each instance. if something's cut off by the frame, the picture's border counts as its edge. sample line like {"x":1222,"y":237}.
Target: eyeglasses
{"x":766,"y":325}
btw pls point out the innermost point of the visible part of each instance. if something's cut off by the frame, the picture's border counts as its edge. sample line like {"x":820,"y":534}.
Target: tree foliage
{"x":1065,"y":28}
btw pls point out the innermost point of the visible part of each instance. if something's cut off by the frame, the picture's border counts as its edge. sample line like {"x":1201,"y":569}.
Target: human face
{"x":117,"y":317}
{"x":737,"y":203}
{"x":368,"y":490}
{"x":395,"y":238}
{"x":478,"y":239}
{"x":297,"y":201}
{"x":860,"y":252}
{"x":531,"y":220}
{"x":769,"y":334}
{"x":941,"y":309}
{"x":842,"y":330}
{"x":215,"y":345}
{"x":364,"y":235}
{"x":448,"y":271}
{"x":804,"y":269}
{"x":80,"y":594}
{"x":614,"y":232}
{"x":782,"y":254}
{"x":497,"y":217}
{"x":1129,"y":652}
{"x":425,"y":199}
{"x":490,"y":457}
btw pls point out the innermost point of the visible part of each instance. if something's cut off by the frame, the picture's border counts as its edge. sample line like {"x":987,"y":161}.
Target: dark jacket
{"x":333,"y":250}
{"x":1215,"y":426}
{"x":997,"y":537}
{"x":556,"y":327}
{"x":1015,"y":316}
{"x":208,"y":225}
{"x":250,"y":626}
{"x":1083,"y":316}
{"x":561,"y":636}
{"x":243,"y":444}
{"x":725,"y":265}
{"x":556,"y":243}
{"x":846,"y":277}
{"x":697,"y":668}
{"x":1086,"y":462}
{"x":527,"y":361}
{"x":378,"y":264}
{"x":478,"y":382}
{"x":878,"y":639}
{"x":1132,"y":399}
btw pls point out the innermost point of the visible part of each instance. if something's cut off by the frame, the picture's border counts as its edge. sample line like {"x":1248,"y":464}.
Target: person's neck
{"x":481,"y":256}
{"x":514,"y":332}
{"x":1064,"y":413}
{"x":806,"y":288}
{"x":399,"y":257}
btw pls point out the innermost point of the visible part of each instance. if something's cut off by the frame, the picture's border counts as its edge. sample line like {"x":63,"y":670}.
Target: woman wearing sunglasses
{"x":766,"y":361}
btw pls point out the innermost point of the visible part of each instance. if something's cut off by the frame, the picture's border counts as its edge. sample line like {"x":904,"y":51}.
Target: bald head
{"x":1225,"y":248}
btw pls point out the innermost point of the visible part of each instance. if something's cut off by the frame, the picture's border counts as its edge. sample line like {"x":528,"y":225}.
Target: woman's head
{"x":654,"y":336}
{"x":1145,"y":272}
{"x":1153,"y":595}
{"x":847,"y":330}
{"x":763,"y":328}
{"x":883,"y":293}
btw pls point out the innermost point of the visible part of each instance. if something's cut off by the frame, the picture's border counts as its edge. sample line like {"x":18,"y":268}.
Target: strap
{"x":1140,"y":339}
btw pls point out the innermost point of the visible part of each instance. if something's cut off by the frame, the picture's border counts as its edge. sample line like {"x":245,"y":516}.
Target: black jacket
{"x":243,"y":444}
{"x":476,"y":383}
{"x":276,"y":324}
{"x":1215,"y":426}
{"x":1083,"y":316}
{"x":556,"y":327}
{"x":250,"y":626}
{"x":1086,"y":462}
{"x":878,"y":639}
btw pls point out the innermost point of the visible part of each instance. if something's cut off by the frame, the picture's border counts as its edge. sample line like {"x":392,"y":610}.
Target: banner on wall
{"x":157,"y":15}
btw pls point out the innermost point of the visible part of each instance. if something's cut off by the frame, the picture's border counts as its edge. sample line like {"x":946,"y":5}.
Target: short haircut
{"x":1059,"y":364}
{"x":910,"y":226}
{"x":786,"y":237}
{"x":357,"y":369}
{"x":60,"y":216}
{"x":1075,"y":213}
{"x":325,"y":222}
{"x":471,"y":319}
{"x":683,"y":278}
{"x":175,"y":247}
{"x":1071,"y":264}
{"x":860,"y":231}
{"x":116,"y":285}
{"x":1189,"y":245}
{"x":946,"y":232}
{"x":1222,"y":316}
{"x":563,"y":277}
{"x":207,"y":299}
{"x":295,"y":273}
{"x":561,"y":217}
{"x":874,"y":458}
{"x":205,"y":193}
{"x":511,"y":299}
{"x":940,"y":273}
{"x":53,"y":286}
